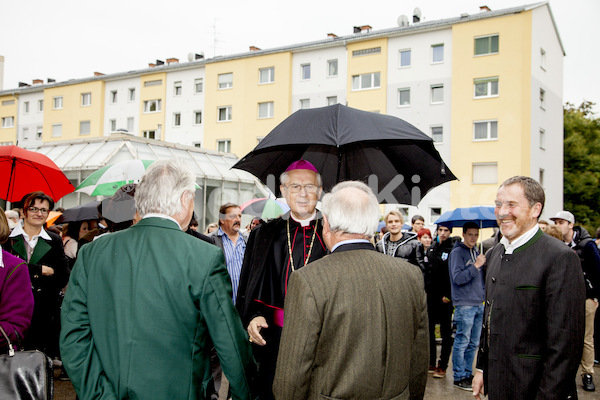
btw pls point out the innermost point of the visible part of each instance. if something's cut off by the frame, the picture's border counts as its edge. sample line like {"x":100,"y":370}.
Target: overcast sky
{"x":71,"y":39}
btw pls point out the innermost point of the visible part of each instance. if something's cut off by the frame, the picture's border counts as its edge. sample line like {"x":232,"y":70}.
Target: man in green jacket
{"x":145,"y":305}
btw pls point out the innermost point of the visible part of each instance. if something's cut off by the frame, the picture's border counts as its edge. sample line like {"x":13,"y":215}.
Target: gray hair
{"x":284,"y":178}
{"x":352,"y":208}
{"x":533,"y":191}
{"x":161,"y":187}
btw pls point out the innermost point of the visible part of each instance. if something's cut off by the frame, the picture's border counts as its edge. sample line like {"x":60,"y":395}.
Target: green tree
{"x":582,"y":165}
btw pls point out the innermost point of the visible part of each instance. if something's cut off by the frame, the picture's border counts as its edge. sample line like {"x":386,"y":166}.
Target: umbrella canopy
{"x":483,"y":216}
{"x":23,"y":171}
{"x":344,"y":143}
{"x":108,"y":179}
{"x":264,"y":208}
{"x":83,"y":212}
{"x":52,"y":217}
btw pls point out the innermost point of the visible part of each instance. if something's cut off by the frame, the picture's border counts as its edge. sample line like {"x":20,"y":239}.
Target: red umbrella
{"x":23,"y":171}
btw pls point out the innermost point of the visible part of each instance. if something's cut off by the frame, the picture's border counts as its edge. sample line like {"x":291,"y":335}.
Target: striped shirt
{"x":234,"y":256}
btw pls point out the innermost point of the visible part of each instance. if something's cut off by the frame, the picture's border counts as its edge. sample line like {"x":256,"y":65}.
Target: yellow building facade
{"x":364,"y":61}
{"x":8,"y":118}
{"x":152,"y":105}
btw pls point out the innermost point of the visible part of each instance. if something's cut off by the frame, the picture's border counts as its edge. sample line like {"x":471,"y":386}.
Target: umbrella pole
{"x":12,"y":171}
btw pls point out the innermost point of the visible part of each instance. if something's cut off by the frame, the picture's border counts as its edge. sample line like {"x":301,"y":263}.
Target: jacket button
{"x":493,"y":279}
{"x":487,"y":302}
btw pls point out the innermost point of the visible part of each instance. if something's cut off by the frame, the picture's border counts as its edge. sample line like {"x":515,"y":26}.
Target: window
{"x":84,"y":127}
{"x":404,"y":97}
{"x":332,"y":68}
{"x":151,"y":106}
{"x":265,"y":110}
{"x":86,"y":99}
{"x":224,"y":114}
{"x":486,"y":45}
{"x":131,"y":94}
{"x":541,"y":180}
{"x":305,"y":72}
{"x":364,"y":52}
{"x":57,"y":103}
{"x":486,"y":87}
{"x":224,"y":146}
{"x":8,"y":122}
{"x":404,"y":58}
{"x":25,"y":133}
{"x":157,"y":82}
{"x":26,"y":107}
{"x":437,"y":94}
{"x":543,"y":59}
{"x":176,"y":119}
{"x":542,"y":98}
{"x":485,"y":130}
{"x":542,"y":139}
{"x":40,"y":105}
{"x":197,"y":144}
{"x":198,"y":85}
{"x":130,"y":122}
{"x":266,"y":75}
{"x":366,"y":81}
{"x":177,"y":89}
{"x":437,"y":53}
{"x":485,"y":173}
{"x":304,"y":103}
{"x":113,"y":125}
{"x":56,"y":130}
{"x":437,"y":134}
{"x":332,"y":100}
{"x":8,"y":102}
{"x":197,"y":117}
{"x":38,"y":132}
{"x":434,"y":214}
{"x":113,"y":96}
{"x":149,"y":134}
{"x":225,"y":81}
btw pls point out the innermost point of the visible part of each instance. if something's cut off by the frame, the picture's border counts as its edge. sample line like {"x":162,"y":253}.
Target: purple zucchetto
{"x":302,"y":164}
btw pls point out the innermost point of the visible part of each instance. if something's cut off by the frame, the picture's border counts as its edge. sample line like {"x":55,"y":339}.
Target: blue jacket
{"x":467,"y":284}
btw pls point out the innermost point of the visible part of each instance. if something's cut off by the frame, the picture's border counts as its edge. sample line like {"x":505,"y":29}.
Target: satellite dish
{"x":417,"y":13}
{"x":402,"y":21}
{"x":190,"y":57}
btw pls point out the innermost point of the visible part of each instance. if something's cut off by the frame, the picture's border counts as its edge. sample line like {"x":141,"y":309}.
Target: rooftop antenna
{"x":403,"y":21}
{"x":417,"y":15}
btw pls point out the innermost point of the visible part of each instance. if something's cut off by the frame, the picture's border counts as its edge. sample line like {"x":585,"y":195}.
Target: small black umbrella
{"x":82,"y":212}
{"x":397,"y":160}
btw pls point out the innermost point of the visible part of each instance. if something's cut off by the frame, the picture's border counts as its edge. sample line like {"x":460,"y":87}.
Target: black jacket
{"x":586,"y":249}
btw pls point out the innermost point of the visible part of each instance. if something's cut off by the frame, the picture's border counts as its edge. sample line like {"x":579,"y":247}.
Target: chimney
{"x":362,"y":29}
{"x":199,"y":56}
{"x":332,"y":35}
{"x":98,"y":74}
{"x":151,"y":65}
{"x":160,"y":62}
{"x":23,"y":84}
{"x":484,"y":9}
{"x":172,"y":60}
{"x":50,"y":80}
{"x":357,"y":29}
{"x":38,"y":81}
{"x":254,"y":48}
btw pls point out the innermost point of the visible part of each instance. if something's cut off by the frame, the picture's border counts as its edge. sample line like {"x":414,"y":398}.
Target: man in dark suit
{"x":356,"y":320}
{"x":532,"y":336}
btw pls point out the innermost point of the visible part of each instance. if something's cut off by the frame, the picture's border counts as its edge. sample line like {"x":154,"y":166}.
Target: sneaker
{"x":439,"y":373}
{"x":463,"y":384}
{"x":588,"y":383}
{"x":432,"y":369}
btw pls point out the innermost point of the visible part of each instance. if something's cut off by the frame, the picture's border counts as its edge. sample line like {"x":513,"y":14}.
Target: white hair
{"x":284,"y":178}
{"x":162,"y":186}
{"x":352,"y":208}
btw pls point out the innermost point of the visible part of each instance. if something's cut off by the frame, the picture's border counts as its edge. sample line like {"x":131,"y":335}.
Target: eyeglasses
{"x":294,"y":188}
{"x":35,"y":210}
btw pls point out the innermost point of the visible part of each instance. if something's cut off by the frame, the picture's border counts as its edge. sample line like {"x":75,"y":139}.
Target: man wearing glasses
{"x":47,"y":264}
{"x":275,"y":250}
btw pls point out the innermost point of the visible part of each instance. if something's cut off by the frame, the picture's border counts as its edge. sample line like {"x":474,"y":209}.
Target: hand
{"x":47,"y":271}
{"x":480,"y":261}
{"x":478,"y":385}
{"x":445,"y":300}
{"x":254,"y":328}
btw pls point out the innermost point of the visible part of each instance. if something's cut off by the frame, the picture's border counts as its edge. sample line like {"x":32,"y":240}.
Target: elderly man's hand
{"x":254,"y":328}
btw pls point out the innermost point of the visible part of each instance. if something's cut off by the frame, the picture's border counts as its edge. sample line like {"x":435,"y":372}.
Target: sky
{"x":72,"y":39}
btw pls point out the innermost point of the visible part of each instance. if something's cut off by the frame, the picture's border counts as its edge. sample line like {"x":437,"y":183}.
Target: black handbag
{"x":25,"y":374}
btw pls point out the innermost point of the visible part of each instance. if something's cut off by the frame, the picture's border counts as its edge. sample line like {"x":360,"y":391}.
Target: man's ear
{"x":326,"y":227}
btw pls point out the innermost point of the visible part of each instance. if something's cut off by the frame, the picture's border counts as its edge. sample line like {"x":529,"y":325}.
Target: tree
{"x":582,"y":165}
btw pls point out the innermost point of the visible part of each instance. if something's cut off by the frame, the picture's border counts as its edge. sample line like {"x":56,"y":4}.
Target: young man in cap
{"x":275,"y":250}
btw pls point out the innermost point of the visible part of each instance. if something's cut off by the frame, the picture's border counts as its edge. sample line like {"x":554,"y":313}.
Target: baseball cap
{"x":566,"y":215}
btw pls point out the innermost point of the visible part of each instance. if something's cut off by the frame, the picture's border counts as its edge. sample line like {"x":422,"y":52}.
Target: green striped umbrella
{"x":107,"y":180}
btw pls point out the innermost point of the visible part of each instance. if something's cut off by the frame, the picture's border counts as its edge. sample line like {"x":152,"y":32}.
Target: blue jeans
{"x":468,"y":321}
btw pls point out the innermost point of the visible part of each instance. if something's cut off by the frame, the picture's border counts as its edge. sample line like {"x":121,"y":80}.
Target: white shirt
{"x":156,"y":215}
{"x":30,"y":242}
{"x":348,"y":241}
{"x":520,"y":241}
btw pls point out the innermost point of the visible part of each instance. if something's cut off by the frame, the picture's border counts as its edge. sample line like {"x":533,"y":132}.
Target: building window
{"x":198,"y":85}
{"x":8,"y":122}
{"x":404,"y":97}
{"x":57,"y":103}
{"x":8,"y":102}
{"x":266,"y":75}
{"x":84,"y":127}
{"x":197,"y":117}
{"x":541,"y":180}
{"x":437,"y":94}
{"x":113,"y":125}
{"x":131,"y":94}
{"x":197,"y":144}
{"x":25,"y":133}
{"x":332,"y":100}
{"x":38,"y":132}
{"x":485,"y":173}
{"x":156,"y":82}
{"x":130,"y":122}
{"x":56,"y":130}
{"x":177,"y":89}
{"x":332,"y":68}
{"x":404,"y":58}
{"x":149,"y":134}
{"x":434,"y":214}
{"x":485,"y":130}
{"x":224,"y":114}
{"x":151,"y":106}
{"x":542,"y":98}
{"x":486,"y":87}
{"x":437,"y":53}
{"x":86,"y":99}
{"x":486,"y":45}
{"x":26,"y":107}
{"x":543,"y":59}
{"x":225,"y":81}
{"x":366,"y":81}
{"x":265,"y":110}
{"x":542,"y":139}
{"x":40,"y":105}
{"x":224,"y":146}
{"x":305,"y":72}
{"x":304,"y":103}
{"x":176,"y":119}
{"x":113,"y":96}
{"x":437,"y":134}
{"x":364,"y":52}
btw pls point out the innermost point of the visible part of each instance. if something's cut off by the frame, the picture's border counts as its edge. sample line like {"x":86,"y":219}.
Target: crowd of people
{"x":305,"y":305}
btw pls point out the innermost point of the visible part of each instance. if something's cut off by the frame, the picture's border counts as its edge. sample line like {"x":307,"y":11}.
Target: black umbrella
{"x":397,"y":160}
{"x":82,"y":212}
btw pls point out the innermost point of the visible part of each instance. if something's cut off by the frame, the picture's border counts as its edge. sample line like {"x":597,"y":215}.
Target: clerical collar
{"x":304,"y":222}
{"x":520,"y":241}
